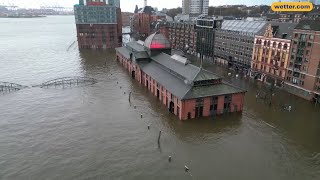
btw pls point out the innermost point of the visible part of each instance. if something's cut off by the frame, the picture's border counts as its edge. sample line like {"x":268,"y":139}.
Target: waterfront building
{"x":99,"y":25}
{"x":303,"y":71}
{"x":195,"y":7}
{"x":183,"y":36}
{"x":271,"y":53}
{"x":233,"y":45}
{"x":206,"y":27}
{"x":143,"y":20}
{"x":164,"y":28}
{"x":185,"y":89}
{"x":290,"y":17}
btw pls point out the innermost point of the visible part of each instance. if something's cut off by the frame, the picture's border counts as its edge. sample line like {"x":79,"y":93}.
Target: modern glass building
{"x":234,"y":42}
{"x":205,"y":28}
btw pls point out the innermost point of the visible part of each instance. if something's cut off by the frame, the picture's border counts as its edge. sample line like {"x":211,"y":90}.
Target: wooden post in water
{"x":159,"y":137}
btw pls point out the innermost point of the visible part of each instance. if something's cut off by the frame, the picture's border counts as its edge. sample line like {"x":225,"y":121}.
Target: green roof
{"x":124,"y":51}
{"x":212,"y":90}
{"x":205,"y":75}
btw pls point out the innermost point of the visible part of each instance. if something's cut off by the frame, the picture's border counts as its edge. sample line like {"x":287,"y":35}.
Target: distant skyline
{"x":129,"y":5}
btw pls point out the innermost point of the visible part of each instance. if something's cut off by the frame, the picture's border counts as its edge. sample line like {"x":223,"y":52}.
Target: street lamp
{"x":202,"y":52}
{"x":186,"y":49}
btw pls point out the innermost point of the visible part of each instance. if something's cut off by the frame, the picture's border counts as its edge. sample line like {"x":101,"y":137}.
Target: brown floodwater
{"x":92,"y":132}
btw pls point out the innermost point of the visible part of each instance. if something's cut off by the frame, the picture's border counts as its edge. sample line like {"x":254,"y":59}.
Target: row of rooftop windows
{"x":274,"y":44}
{"x":304,"y":36}
{"x":234,"y":38}
{"x":234,"y":47}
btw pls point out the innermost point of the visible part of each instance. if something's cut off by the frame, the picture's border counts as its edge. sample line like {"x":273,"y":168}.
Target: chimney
{"x":145,"y":3}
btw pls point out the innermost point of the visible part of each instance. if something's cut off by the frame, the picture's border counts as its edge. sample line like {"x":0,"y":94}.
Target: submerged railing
{"x":68,"y":82}
{"x":65,"y":82}
{"x":6,"y":87}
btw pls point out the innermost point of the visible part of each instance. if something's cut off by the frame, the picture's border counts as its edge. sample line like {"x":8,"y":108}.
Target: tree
{"x":173,"y":12}
{"x":136,"y":9}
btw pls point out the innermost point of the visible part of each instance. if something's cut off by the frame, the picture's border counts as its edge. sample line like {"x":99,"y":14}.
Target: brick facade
{"x":184,"y":109}
{"x":303,"y":71}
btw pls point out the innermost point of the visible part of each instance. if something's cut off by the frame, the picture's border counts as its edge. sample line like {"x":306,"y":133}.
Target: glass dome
{"x":157,"y":41}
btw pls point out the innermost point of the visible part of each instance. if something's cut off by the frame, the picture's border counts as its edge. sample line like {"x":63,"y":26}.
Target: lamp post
{"x":202,"y":51}
{"x":186,"y":49}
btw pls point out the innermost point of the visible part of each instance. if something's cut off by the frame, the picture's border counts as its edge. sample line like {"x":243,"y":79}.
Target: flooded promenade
{"x":93,"y":132}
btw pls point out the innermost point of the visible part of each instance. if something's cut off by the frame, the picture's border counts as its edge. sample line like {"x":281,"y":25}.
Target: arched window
{"x":268,"y":43}
{"x":257,"y":42}
{"x":279,"y":45}
{"x":274,"y":44}
{"x":285,"y":46}
{"x":265,"y":43}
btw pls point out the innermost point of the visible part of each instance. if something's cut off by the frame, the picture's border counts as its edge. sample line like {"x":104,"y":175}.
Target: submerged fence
{"x":65,"y":82}
{"x":9,"y":87}
{"x":68,"y":82}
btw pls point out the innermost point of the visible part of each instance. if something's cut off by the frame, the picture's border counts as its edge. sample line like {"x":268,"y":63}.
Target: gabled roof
{"x":135,"y":46}
{"x":189,"y":71}
{"x":205,"y":75}
{"x":172,"y":83}
{"x":284,"y":28}
{"x":147,"y":9}
{"x":213,"y":90}
{"x":124,"y":51}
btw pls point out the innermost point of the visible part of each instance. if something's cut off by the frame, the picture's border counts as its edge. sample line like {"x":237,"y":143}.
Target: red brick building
{"x":99,"y":26}
{"x":186,"y":90}
{"x":303,"y":71}
{"x":143,"y":20}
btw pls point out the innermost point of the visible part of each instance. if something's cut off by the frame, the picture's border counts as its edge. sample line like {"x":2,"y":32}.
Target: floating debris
{"x":186,"y":168}
{"x":70,"y":46}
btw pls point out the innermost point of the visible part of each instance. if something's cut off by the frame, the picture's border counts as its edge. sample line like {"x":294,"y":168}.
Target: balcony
{"x":296,"y":74}
{"x":296,"y":69}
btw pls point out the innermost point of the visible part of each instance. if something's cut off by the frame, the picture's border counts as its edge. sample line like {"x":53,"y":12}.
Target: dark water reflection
{"x":93,"y":132}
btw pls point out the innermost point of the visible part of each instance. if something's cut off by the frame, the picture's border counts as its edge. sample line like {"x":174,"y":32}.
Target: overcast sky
{"x":129,"y":5}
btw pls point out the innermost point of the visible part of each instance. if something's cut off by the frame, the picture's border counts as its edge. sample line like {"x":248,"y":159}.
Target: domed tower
{"x":157,"y":43}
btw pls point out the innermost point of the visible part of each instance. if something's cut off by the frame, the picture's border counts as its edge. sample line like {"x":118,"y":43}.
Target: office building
{"x":303,"y":71}
{"x":183,"y":36}
{"x":233,"y":45}
{"x":205,"y":28}
{"x":99,"y":25}
{"x":195,"y":7}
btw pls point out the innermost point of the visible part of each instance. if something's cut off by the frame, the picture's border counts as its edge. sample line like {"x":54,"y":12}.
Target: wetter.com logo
{"x":292,"y":6}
